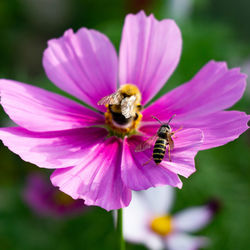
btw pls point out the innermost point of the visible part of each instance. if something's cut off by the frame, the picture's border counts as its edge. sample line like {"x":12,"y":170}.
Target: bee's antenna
{"x":171,"y":118}
{"x":156,"y":119}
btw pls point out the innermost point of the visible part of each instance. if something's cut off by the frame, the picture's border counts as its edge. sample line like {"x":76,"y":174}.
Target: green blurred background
{"x":211,"y":29}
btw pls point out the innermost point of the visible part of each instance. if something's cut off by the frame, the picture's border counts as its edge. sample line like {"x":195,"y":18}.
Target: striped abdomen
{"x":159,"y":150}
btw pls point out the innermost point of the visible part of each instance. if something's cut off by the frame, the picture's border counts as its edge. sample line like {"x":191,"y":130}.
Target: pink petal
{"x":40,"y":110}
{"x":97,"y":179}
{"x":213,"y":89}
{"x":180,"y":241}
{"x":56,"y":149}
{"x":35,"y":193}
{"x":39,"y":195}
{"x":149,"y":53}
{"x":83,"y":64}
{"x":139,"y":177}
{"x":219,"y":128}
{"x":187,"y":144}
{"x":192,"y":219}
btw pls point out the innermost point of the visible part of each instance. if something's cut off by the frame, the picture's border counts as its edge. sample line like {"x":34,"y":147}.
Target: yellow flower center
{"x":61,"y":198}
{"x":122,"y":119}
{"x":162,"y":225}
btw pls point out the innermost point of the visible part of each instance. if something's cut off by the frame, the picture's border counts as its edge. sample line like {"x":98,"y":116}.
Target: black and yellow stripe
{"x":159,"y":150}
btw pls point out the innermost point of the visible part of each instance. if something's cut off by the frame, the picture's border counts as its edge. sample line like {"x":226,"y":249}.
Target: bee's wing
{"x":127,"y":106}
{"x":146,"y":144}
{"x":113,"y":99}
{"x":170,"y":141}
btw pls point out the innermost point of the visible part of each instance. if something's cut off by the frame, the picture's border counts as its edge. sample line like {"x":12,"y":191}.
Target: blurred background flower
{"x":147,"y":220}
{"x":211,"y":29}
{"x":47,"y":200}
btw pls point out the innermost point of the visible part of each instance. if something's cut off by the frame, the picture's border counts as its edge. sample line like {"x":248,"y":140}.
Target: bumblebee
{"x":124,"y":105}
{"x":161,"y":140}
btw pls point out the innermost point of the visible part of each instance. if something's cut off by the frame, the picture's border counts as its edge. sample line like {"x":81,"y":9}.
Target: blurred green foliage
{"x":213,"y":30}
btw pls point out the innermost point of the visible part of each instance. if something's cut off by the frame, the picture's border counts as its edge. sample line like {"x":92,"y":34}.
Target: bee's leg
{"x":169,"y":157}
{"x":136,"y":116}
{"x":147,"y":161}
{"x":173,"y":132}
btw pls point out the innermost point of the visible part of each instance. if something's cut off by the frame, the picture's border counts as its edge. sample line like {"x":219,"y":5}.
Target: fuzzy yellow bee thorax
{"x":130,"y":90}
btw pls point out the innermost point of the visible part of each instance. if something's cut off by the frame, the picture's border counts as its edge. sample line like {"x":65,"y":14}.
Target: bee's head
{"x":164,"y":125}
{"x":129,"y":90}
{"x":165,"y":128}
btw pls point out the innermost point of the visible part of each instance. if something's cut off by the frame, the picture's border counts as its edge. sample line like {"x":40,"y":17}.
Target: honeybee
{"x":159,"y":142}
{"x":124,"y":104}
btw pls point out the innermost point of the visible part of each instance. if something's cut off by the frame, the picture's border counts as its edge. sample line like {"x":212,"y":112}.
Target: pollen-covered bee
{"x":124,"y":104}
{"x":159,"y":142}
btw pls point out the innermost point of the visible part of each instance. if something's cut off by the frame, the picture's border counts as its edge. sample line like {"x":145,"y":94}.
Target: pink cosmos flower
{"x":147,"y":221}
{"x":57,"y":133}
{"x":46,"y":200}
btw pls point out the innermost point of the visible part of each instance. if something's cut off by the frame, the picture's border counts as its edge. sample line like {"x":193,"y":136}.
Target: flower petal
{"x":149,"y":53}
{"x":139,"y":177}
{"x":159,"y":200}
{"x":213,"y":89}
{"x":180,"y":241}
{"x":219,"y":128}
{"x":136,"y":219}
{"x":36,"y":194}
{"x":56,"y":149}
{"x":97,"y":179}
{"x":154,"y":242}
{"x":83,"y":64}
{"x":40,"y":110}
{"x":187,"y":143}
{"x":192,"y":219}
{"x":41,"y":197}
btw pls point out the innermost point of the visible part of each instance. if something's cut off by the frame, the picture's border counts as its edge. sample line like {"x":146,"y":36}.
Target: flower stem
{"x":119,"y":228}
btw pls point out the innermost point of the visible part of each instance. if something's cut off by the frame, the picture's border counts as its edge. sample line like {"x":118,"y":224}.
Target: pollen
{"x":162,"y":225}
